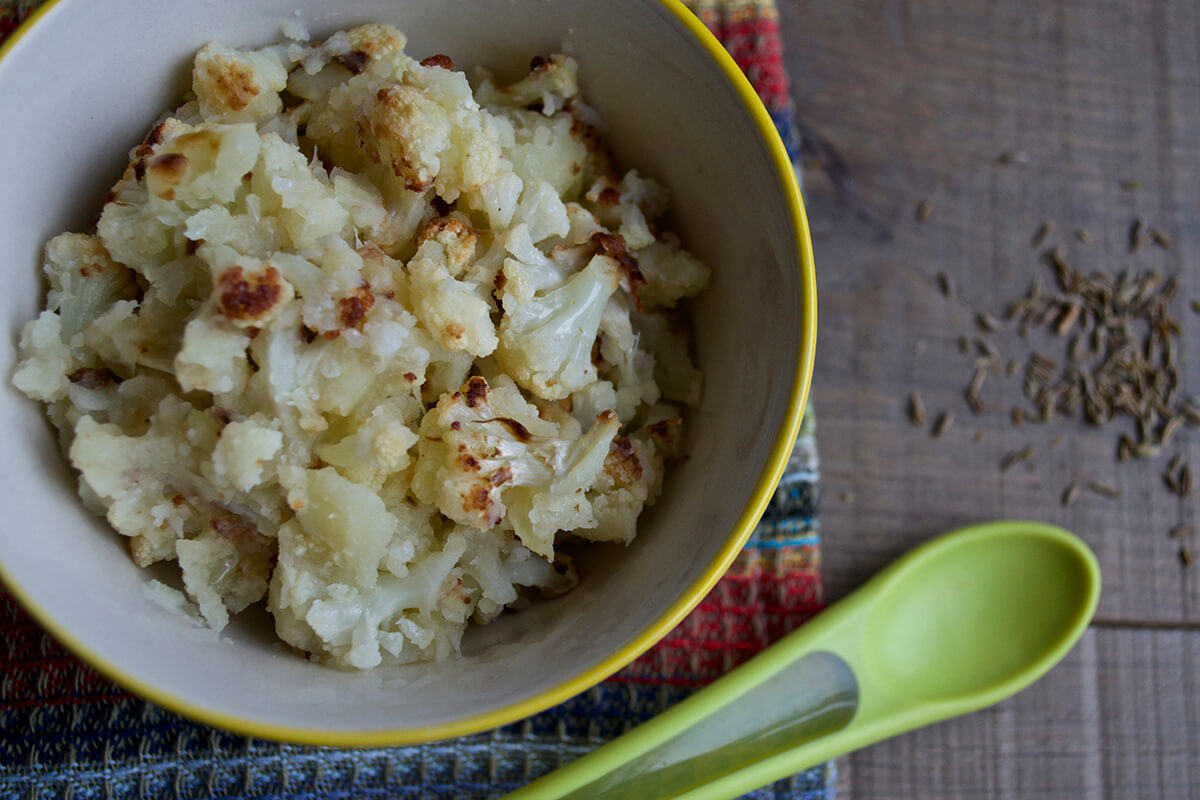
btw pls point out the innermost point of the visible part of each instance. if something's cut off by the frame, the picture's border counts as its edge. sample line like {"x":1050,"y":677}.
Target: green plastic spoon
{"x":957,"y":624}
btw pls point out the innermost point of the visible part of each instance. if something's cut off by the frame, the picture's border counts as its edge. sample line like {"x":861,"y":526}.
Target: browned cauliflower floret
{"x":238,"y":85}
{"x":407,"y":131}
{"x":630,"y":480}
{"x":456,"y":312}
{"x":251,"y":299}
{"x":551,"y":82}
{"x":628,"y":204}
{"x":485,"y":452}
{"x":374,"y":41}
{"x":670,"y":273}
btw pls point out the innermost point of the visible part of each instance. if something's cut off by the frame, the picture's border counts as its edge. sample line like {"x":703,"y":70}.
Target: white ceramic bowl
{"x":81,"y":85}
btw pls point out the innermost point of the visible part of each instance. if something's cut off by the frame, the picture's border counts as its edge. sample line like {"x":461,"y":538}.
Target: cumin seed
{"x":1169,"y":430}
{"x":988,"y":349}
{"x":986,"y":322}
{"x":916,"y":410}
{"x":1104,"y":489}
{"x":1136,"y":237}
{"x":924,"y":210}
{"x":946,"y":285}
{"x":1017,"y":456}
{"x":1067,"y":319}
{"x":974,"y":399}
{"x":1124,"y":448}
{"x":1042,"y":233}
{"x":944,"y":423}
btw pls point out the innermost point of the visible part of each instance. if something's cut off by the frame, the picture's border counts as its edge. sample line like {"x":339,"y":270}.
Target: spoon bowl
{"x":955,"y":625}
{"x":991,"y":605}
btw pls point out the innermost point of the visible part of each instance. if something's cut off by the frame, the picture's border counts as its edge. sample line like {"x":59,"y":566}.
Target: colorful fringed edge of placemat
{"x":67,"y":732}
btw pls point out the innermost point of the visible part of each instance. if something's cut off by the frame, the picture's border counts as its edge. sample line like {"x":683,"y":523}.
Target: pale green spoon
{"x":957,"y":624}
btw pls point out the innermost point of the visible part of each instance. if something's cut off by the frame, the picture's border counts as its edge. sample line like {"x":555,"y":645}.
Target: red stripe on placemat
{"x":74,"y":700}
{"x":35,"y":670}
{"x":10,"y":20}
{"x":755,"y":45}
{"x":740,"y":617}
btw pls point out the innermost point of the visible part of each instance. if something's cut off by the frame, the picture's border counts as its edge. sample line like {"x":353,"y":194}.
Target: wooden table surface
{"x":909,"y":101}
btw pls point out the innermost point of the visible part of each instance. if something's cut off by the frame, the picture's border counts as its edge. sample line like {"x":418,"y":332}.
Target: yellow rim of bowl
{"x":767,"y":482}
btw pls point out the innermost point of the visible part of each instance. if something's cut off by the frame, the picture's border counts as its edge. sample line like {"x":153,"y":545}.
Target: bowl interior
{"x":83,"y":85}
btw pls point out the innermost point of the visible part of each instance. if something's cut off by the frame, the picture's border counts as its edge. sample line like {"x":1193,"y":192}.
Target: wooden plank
{"x":908,"y":101}
{"x":1116,"y":719}
{"x":1150,"y":704}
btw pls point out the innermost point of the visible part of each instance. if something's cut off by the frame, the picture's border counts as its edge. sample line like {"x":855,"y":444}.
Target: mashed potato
{"x":363,"y":340}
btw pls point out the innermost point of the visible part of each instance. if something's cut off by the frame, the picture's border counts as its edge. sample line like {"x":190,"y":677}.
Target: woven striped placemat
{"x":67,"y":732}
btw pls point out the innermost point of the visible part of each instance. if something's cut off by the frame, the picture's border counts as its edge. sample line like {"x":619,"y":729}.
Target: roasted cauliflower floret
{"x":408,"y":132}
{"x":376,"y":42}
{"x":377,"y":449}
{"x":630,"y":480}
{"x":429,"y":131}
{"x":225,"y":569}
{"x":454,"y":311}
{"x":213,"y":356}
{"x":545,"y":148}
{"x":629,"y":204}
{"x":546,"y":342}
{"x":626,"y":365}
{"x":670,"y":273}
{"x":45,"y":359}
{"x":551,"y":82}
{"x":485,"y":451}
{"x":238,"y":85}
{"x":203,"y":164}
{"x":299,"y":193}
{"x":84,"y":281}
{"x":244,"y":454}
{"x":529,"y":271}
{"x":666,"y":337}
{"x":251,"y":299}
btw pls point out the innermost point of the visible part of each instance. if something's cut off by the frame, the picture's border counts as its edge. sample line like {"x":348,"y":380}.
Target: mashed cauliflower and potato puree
{"x":368,"y":342}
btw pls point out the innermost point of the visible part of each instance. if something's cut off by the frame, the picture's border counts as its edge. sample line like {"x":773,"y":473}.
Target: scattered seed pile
{"x":1118,"y":362}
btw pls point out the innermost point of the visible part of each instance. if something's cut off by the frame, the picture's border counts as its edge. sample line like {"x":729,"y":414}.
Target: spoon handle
{"x":743,"y":731}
